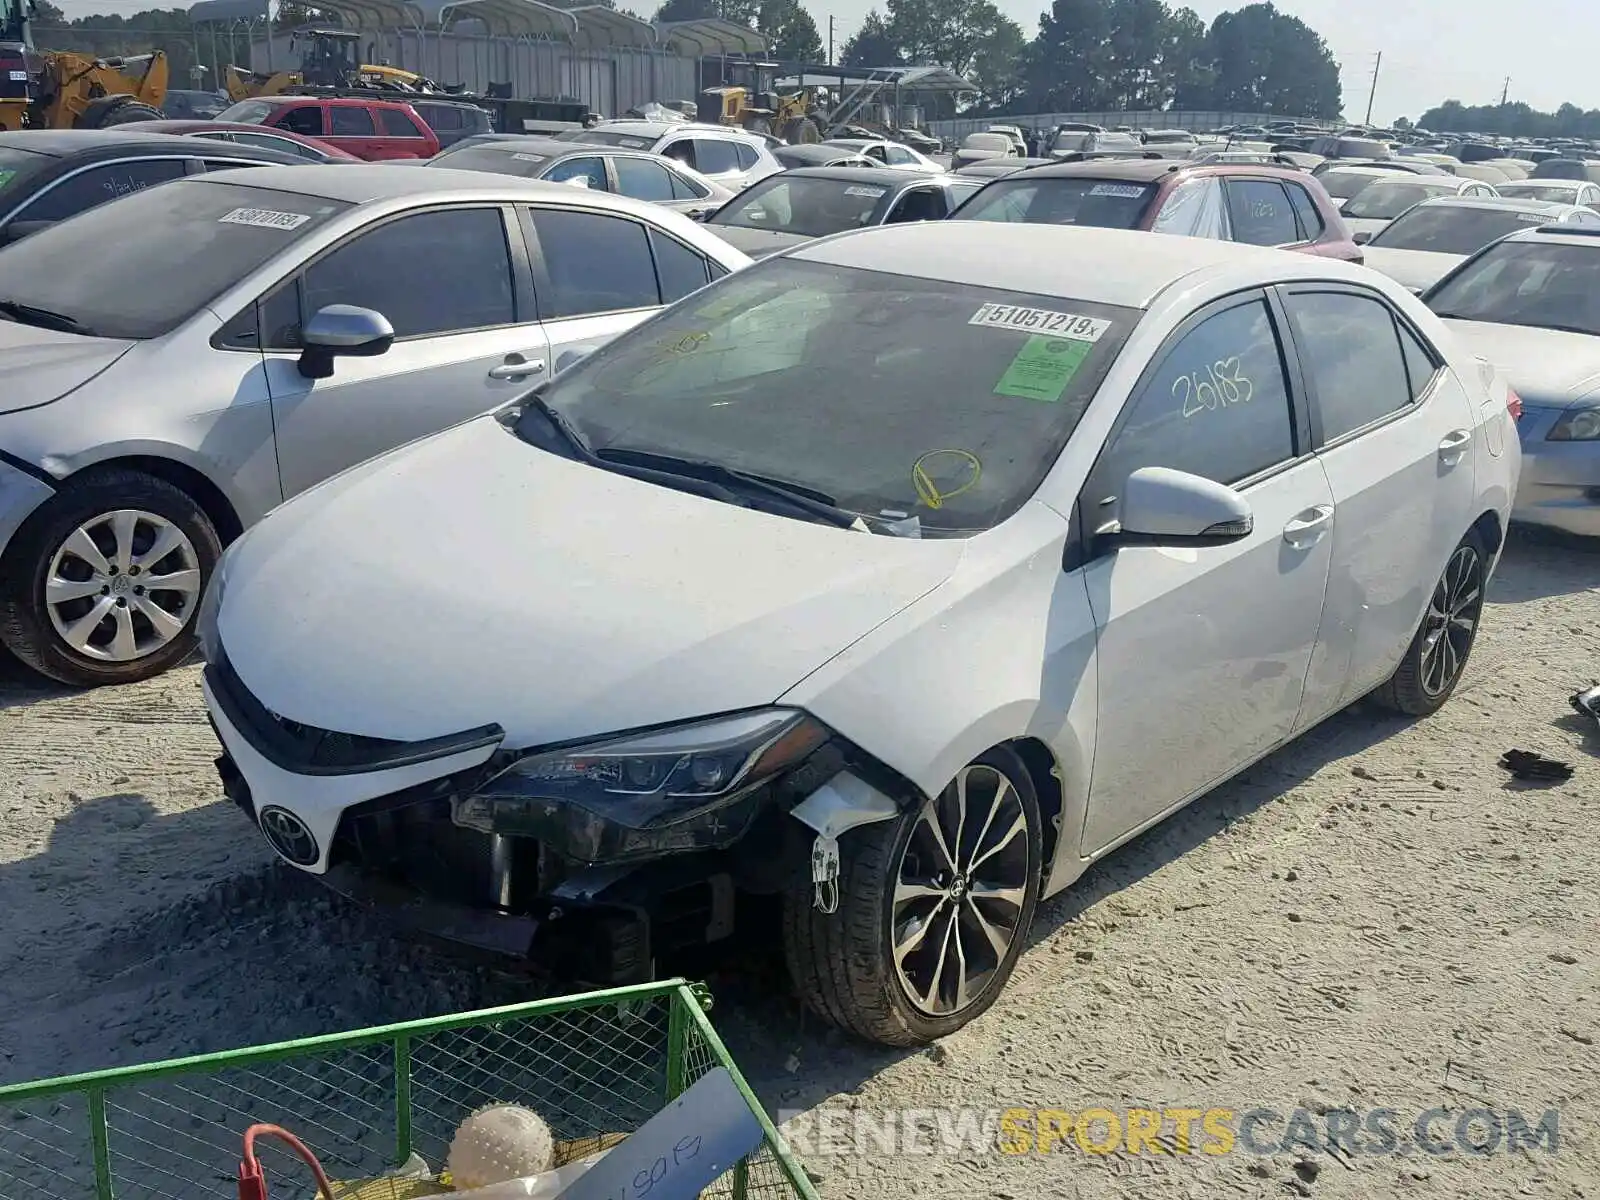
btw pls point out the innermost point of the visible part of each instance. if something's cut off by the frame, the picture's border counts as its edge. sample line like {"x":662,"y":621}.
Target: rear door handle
{"x":1309,"y":526}
{"x":1454,"y":445}
{"x":517,"y":367}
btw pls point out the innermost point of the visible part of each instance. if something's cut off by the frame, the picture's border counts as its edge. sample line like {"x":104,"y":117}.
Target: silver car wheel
{"x":960,"y":891}
{"x":1452,"y":620}
{"x":122,"y":585}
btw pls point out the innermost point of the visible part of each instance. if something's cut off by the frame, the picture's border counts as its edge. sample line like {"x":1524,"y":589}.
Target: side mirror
{"x":342,"y":331}
{"x":1163,"y":507}
{"x":1362,"y":238}
{"x":18,"y":230}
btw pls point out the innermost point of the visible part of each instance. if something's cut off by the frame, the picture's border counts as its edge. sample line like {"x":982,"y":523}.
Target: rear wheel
{"x":1437,"y":656}
{"x":117,"y":110}
{"x":102,"y":584}
{"x":800,"y":131}
{"x":934,"y":908}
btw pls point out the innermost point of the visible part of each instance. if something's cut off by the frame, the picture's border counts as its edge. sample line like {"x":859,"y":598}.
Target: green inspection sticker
{"x":6,"y":176}
{"x":1043,"y":368}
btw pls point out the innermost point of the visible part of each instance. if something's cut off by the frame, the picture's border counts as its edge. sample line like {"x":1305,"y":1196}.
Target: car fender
{"x":1003,"y":650}
{"x":23,"y":490}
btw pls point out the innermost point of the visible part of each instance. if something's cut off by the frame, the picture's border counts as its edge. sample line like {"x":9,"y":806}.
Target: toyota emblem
{"x":289,"y":836}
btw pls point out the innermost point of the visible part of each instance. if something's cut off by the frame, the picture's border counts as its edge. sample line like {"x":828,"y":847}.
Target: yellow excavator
{"x":330,"y":59}
{"x":749,"y":99}
{"x":56,"y":89}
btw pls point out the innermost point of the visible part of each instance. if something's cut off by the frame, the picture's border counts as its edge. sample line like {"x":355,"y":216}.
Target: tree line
{"x":1085,"y":56}
{"x":1512,"y":120}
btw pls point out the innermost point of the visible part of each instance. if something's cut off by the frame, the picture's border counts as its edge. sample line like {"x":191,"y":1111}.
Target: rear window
{"x":1384,"y":201}
{"x":603,"y":137}
{"x":1070,"y":142}
{"x":1106,"y":203}
{"x":248,"y":112}
{"x":16,"y":166}
{"x":1362,"y":148}
{"x":1539,"y":191}
{"x":1341,"y":185}
{"x":1454,"y":229}
{"x":499,"y":162}
{"x":805,"y":205}
{"x":161,"y":254}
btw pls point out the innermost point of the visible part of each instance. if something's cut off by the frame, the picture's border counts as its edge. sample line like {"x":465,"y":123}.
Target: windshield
{"x":805,"y":205}
{"x":248,"y":112}
{"x":804,"y":373}
{"x":1554,"y":193}
{"x":1159,"y":139}
{"x":1361,"y":148}
{"x":1454,"y":228}
{"x":1386,"y":200}
{"x":1070,"y":141}
{"x":499,"y":162}
{"x":161,"y":254}
{"x":603,"y":137}
{"x":1109,"y":204}
{"x":1526,"y":283}
{"x":18,"y":165}
{"x":1342,"y":185}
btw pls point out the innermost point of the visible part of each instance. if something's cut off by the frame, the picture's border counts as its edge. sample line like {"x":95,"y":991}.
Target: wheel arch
{"x":206,"y":492}
{"x":1492,"y":529}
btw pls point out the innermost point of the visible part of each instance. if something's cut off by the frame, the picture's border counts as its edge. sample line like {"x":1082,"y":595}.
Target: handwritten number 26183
{"x":1222,"y":383}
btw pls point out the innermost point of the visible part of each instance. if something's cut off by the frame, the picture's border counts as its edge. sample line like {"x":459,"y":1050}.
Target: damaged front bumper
{"x":462,"y":840}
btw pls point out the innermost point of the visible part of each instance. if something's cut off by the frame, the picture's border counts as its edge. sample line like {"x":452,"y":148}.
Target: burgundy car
{"x":1258,"y":204}
{"x":304,"y":147}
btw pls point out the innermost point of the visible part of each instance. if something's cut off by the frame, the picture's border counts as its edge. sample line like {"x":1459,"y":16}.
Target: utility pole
{"x":830,"y":40}
{"x":1373,"y":94}
{"x":1505,"y":92}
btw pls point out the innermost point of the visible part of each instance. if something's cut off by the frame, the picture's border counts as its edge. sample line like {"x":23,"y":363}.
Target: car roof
{"x":514,"y":143}
{"x":1569,"y":235}
{"x":61,"y":143}
{"x":658,"y":129}
{"x":1107,"y":266}
{"x":1513,"y":203}
{"x":402,"y":100}
{"x":878,"y":176}
{"x":1153,"y":170}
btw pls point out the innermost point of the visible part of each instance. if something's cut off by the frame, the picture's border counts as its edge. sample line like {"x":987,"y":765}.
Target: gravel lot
{"x":1374,"y":917}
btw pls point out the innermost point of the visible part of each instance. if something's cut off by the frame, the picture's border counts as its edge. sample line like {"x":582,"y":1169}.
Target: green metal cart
{"x":592,"y":1064}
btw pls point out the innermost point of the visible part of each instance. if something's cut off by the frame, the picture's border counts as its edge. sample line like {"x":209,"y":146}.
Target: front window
{"x":1547,"y":284}
{"x":1385,"y":201}
{"x":496,"y":162}
{"x":248,"y":112}
{"x":798,"y":373}
{"x":805,"y":205}
{"x":1107,"y":203}
{"x":1341,"y":185}
{"x":162,"y":254}
{"x":1554,"y":193}
{"x":1454,"y":229}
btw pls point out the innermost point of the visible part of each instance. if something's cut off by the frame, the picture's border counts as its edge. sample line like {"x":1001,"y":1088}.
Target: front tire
{"x":102,"y":584}
{"x":1434,"y":662}
{"x":934,"y":909}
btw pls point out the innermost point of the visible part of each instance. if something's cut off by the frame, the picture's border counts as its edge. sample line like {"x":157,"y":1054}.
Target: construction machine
{"x":330,"y":58}
{"x":56,"y":89}
{"x":749,"y":99}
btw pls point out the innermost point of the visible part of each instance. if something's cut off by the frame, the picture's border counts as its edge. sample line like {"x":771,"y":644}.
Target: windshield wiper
{"x":43,"y":318}
{"x":562,"y":426}
{"x":808,"y":502}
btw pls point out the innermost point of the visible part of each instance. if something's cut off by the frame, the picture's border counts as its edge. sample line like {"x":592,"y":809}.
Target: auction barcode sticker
{"x":263,"y":218}
{"x":530,"y":157}
{"x":870,"y":192}
{"x":1040,"y":320}
{"x":1125,"y":191}
{"x":19,"y":77}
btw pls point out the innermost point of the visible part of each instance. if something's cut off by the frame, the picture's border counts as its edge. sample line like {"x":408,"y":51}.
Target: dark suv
{"x":451,"y":120}
{"x":1258,"y":204}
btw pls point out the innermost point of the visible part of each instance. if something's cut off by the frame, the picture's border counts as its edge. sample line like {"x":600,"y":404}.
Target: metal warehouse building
{"x":608,"y":59}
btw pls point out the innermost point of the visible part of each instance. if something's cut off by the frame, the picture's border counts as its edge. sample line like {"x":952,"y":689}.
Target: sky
{"x":1433,"y":50}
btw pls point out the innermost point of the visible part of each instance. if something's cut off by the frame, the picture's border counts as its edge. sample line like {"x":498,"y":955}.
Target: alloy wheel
{"x":960,"y":891}
{"x":1451,"y":622}
{"x":122,"y":585}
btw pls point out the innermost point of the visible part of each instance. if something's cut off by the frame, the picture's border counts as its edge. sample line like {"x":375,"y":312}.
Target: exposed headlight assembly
{"x":1577,"y":425}
{"x":683,"y":788}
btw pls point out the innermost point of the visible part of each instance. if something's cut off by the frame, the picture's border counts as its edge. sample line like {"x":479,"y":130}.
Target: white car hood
{"x":41,"y":365}
{"x":469,"y":578}
{"x":1414,"y":269}
{"x":1545,"y":366}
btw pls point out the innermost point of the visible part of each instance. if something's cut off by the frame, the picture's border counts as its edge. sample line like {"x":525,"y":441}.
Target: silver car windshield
{"x":888,"y":395}
{"x":161,"y":255}
{"x":1548,"y":284}
{"x":806,"y":205}
{"x":1454,"y":229}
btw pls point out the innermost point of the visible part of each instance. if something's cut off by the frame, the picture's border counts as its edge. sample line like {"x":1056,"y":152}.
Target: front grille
{"x":310,"y":750}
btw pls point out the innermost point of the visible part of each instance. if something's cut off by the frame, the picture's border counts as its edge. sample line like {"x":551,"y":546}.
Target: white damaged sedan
{"x":903,"y":575}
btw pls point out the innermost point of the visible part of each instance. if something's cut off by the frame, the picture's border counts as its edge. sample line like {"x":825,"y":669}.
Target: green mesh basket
{"x":592,"y":1064}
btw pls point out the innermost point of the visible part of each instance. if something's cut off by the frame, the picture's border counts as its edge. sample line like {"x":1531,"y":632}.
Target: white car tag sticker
{"x":1040,"y":320}
{"x":263,"y":218}
{"x":19,"y":77}
{"x":1127,"y":191}
{"x":871,"y":192}
{"x":529,"y":157}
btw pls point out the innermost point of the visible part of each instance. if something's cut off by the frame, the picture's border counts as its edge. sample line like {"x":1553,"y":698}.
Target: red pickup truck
{"x":369,"y":129}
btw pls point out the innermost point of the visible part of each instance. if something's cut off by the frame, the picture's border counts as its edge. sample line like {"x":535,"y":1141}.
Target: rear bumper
{"x":1560,"y":485}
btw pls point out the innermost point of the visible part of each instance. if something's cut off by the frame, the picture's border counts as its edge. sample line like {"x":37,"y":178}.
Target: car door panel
{"x":1203,"y":651}
{"x":467,"y":340}
{"x":1402,"y":478}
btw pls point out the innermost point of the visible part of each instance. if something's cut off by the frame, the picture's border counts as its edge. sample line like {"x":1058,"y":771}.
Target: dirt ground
{"x":1375,"y":917}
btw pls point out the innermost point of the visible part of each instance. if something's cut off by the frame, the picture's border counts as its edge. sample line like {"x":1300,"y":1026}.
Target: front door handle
{"x":1454,"y":445}
{"x":1308,"y":528}
{"x":517,"y":367}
